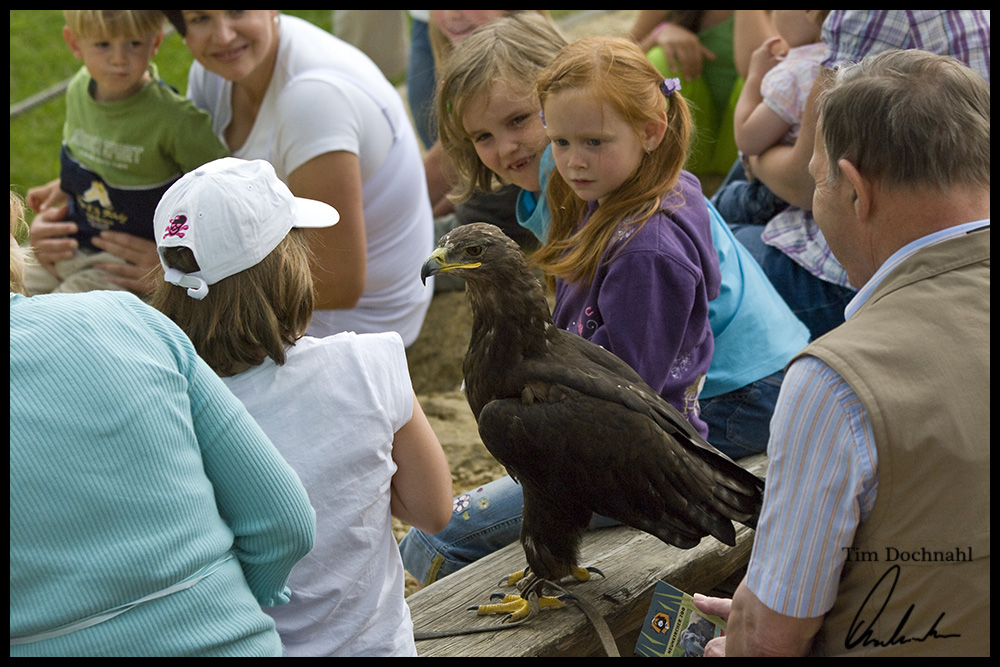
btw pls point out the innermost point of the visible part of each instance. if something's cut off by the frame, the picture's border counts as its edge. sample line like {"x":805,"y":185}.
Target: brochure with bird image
{"x":674,"y":627}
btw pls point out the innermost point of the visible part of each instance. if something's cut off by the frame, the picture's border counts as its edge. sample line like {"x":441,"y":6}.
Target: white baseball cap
{"x":231,"y":214}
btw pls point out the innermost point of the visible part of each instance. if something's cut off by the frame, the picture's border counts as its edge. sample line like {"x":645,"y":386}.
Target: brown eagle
{"x":575,"y":425}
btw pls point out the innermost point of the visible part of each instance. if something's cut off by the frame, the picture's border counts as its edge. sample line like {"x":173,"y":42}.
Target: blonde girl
{"x":488,"y":112}
{"x":630,"y":246}
{"x":449,"y":28}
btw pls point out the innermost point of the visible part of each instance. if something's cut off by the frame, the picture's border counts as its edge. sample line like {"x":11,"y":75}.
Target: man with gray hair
{"x":875,"y":533}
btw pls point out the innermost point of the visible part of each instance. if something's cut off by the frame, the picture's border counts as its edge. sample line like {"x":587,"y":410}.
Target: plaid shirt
{"x":795,"y":233}
{"x":849,"y":35}
{"x":964,"y":34}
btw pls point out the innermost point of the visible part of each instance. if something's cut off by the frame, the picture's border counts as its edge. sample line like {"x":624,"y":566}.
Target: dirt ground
{"x":435,"y":359}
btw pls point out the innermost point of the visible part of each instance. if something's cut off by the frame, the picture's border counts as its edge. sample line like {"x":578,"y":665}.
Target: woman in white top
{"x":281,"y":89}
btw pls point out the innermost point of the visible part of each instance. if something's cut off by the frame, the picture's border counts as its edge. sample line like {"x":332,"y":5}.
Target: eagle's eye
{"x":474,"y":250}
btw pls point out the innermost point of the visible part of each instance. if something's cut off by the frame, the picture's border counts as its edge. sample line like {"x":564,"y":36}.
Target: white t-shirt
{"x":332,"y":411}
{"x":324,"y":96}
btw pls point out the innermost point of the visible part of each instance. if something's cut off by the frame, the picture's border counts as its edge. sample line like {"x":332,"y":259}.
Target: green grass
{"x":39,"y":59}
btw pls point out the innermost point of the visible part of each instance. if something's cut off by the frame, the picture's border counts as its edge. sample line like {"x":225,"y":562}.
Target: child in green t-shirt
{"x":127,"y":137}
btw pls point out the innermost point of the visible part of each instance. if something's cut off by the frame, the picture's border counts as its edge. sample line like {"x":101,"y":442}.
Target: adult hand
{"x":716,"y":648}
{"x":46,"y":196}
{"x":51,"y":239}
{"x":684,"y":52}
{"x":137,"y":272}
{"x":754,"y":629}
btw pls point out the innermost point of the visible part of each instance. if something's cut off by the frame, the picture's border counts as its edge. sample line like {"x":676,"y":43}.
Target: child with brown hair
{"x":127,"y":137}
{"x":340,"y":409}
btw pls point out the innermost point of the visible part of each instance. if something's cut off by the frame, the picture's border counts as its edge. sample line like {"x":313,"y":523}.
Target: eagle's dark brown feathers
{"x":575,"y":425}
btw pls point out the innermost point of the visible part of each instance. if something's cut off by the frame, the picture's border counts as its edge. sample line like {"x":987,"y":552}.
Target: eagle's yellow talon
{"x":551,"y":602}
{"x":517,"y":607}
{"x":585,"y":573}
{"x":514,"y":577}
{"x":513,"y":605}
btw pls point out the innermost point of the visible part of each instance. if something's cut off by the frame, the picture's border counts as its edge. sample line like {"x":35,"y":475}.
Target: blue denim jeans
{"x":483,"y":520}
{"x":744,"y":202}
{"x":489,"y":518}
{"x":739,"y":422}
{"x":420,"y":84}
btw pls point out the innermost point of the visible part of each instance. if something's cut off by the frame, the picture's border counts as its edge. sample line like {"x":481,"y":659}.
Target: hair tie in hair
{"x":670,"y":86}
{"x":541,"y":114}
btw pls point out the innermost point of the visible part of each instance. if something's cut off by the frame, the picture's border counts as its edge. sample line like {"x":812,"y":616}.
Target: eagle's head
{"x":475,"y":252}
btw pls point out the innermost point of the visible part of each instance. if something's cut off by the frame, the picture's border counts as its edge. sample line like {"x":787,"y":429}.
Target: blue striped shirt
{"x":821,"y":484}
{"x":822,"y":479}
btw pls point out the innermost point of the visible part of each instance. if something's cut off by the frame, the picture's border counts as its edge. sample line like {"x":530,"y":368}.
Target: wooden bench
{"x":632,"y":562}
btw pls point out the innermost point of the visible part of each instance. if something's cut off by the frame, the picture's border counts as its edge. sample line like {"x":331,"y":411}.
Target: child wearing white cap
{"x":340,"y":409}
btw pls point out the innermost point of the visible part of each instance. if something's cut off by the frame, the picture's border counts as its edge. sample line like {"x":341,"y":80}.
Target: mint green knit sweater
{"x":131,"y":468}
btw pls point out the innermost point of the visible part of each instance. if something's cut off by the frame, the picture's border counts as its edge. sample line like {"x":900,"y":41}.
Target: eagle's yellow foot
{"x":517,"y":607}
{"x":514,"y":577}
{"x":583,"y":573}
{"x":579,"y":573}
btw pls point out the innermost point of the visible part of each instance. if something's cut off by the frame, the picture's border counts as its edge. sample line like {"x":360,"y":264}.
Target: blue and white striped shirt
{"x":823,"y":475}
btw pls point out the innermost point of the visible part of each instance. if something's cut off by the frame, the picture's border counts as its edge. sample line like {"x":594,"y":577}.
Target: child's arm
{"x":785,"y":169}
{"x":421,"y":488}
{"x":756,"y":126}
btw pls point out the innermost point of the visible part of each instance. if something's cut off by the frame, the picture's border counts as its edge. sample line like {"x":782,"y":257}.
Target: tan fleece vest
{"x":917,"y":579}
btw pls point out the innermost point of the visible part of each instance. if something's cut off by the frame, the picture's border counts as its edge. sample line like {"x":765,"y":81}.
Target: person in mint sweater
{"x":149,"y":514}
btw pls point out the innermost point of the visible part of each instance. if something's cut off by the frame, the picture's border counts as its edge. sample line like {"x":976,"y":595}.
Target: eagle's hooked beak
{"x":438,"y":263}
{"x":433,"y":264}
